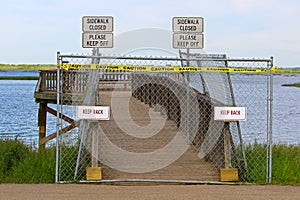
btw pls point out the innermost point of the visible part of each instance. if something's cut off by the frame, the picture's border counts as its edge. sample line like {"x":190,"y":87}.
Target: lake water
{"x":286,"y":115}
{"x":19,"y":111}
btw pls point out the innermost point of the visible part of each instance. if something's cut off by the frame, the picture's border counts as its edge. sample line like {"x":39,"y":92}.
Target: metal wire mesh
{"x":162,"y":125}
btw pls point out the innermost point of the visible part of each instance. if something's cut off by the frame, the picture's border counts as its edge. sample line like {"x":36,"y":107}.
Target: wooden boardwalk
{"x":188,"y":167}
{"x":138,"y":126}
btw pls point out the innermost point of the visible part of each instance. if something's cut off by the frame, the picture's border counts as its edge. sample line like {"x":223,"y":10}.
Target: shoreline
{"x":19,"y":77}
{"x":291,"y":85}
{"x":37,"y":67}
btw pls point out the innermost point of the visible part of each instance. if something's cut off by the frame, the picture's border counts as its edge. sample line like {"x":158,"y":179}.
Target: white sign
{"x":97,"y":24}
{"x":187,"y":41}
{"x":93,"y":112}
{"x":97,"y":40}
{"x":187,"y":24}
{"x":230,"y":113}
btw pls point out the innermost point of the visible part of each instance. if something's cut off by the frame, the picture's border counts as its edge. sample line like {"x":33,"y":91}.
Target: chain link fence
{"x":162,"y":124}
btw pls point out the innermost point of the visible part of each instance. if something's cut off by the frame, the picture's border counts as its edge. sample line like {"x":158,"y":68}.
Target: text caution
{"x":230,"y":113}
{"x":93,"y":112}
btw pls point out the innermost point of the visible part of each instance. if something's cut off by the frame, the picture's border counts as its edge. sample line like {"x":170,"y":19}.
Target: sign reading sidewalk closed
{"x":97,"y":32}
{"x":97,"y":23}
{"x":93,"y":112}
{"x":187,"y":32}
{"x":188,"y":24}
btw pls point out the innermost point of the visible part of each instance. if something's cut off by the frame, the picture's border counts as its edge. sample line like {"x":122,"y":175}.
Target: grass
{"x":27,"y":67}
{"x":12,"y":153}
{"x":24,"y":67}
{"x":286,"y":164}
{"x":19,"y":78}
{"x":293,"y":85}
{"x":37,"y":167}
{"x":20,"y":163}
{"x":256,"y":163}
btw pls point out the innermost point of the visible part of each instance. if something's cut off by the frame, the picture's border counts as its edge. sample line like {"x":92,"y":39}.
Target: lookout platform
{"x":72,"y":92}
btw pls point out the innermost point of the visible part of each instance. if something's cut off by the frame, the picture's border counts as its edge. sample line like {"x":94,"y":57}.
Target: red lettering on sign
{"x":86,"y":111}
{"x":98,"y":112}
{"x":224,"y":112}
{"x":235,"y":112}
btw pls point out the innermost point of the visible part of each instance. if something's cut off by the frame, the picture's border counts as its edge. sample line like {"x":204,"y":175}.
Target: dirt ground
{"x":89,"y":191}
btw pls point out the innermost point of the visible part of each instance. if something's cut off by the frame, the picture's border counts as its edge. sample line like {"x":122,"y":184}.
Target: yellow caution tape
{"x":149,"y":68}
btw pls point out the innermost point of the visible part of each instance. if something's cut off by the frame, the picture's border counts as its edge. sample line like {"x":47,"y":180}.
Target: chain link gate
{"x":162,"y":125}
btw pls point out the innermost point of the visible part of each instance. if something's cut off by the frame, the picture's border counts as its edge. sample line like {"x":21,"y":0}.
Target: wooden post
{"x":227,"y":144}
{"x":42,"y":121}
{"x":95,"y":145}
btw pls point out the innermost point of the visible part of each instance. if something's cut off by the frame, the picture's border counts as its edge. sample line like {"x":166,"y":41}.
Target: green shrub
{"x":22,"y":164}
{"x":286,"y":164}
{"x":19,"y":163}
{"x":37,"y":167}
{"x":256,"y":155}
{"x":12,"y":153}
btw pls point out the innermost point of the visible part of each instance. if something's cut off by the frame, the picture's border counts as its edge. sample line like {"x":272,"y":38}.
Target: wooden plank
{"x":95,"y":148}
{"x":229,"y":174}
{"x":62,"y":131}
{"x":62,"y":116}
{"x":227,"y":145}
{"x":93,"y":173}
{"x":42,"y":119}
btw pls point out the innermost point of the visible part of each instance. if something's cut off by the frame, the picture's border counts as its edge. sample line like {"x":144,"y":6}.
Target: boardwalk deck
{"x":188,"y":167}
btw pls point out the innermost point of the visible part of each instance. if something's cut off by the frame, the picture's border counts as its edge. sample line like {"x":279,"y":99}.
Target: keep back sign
{"x":93,"y":112}
{"x":230,"y":113}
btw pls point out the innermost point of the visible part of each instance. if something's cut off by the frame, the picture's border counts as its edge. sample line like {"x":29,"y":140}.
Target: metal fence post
{"x":270,"y":119}
{"x":237,"y":122}
{"x":188,"y":134}
{"x":57,"y":117}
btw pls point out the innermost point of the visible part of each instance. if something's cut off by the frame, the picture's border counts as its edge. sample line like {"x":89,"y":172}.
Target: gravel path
{"x":87,"y":191}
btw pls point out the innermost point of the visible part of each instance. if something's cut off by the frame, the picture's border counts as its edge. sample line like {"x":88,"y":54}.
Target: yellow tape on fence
{"x":145,"y":68}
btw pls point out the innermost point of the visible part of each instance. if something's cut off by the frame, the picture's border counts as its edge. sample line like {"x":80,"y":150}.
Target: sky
{"x":32,"y":31}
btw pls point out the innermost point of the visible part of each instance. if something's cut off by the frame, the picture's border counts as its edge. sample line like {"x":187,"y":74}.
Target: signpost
{"x":97,"y":31}
{"x":187,"y":32}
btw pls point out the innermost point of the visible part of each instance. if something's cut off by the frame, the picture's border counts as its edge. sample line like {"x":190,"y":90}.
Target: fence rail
{"x":75,"y":81}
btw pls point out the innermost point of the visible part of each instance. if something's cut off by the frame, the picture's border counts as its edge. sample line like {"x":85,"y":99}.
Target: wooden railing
{"x":73,"y":81}
{"x":76,"y":81}
{"x":47,"y":81}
